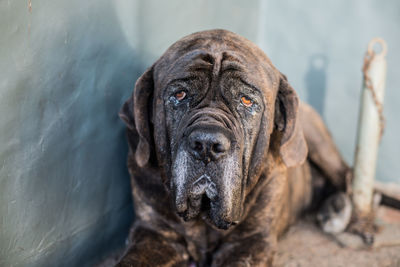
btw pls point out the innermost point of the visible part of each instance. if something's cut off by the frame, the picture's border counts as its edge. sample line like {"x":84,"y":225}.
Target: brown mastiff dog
{"x":223,"y":156}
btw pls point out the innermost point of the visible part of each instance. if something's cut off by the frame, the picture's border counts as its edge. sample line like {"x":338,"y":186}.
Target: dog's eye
{"x":246,"y":101}
{"x":180,"y":95}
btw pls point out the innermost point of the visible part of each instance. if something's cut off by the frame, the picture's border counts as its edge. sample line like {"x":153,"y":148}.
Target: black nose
{"x":208,"y":146}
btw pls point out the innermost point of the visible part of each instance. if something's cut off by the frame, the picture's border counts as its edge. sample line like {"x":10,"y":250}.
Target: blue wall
{"x":64,"y":189}
{"x":67,"y":66}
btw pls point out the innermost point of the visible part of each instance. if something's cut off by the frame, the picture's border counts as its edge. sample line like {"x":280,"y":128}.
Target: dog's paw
{"x":335,"y":213}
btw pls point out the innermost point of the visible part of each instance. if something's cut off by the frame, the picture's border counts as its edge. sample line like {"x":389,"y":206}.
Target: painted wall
{"x":67,"y":66}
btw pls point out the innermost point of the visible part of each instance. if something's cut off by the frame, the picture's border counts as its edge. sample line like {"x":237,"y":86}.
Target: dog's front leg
{"x":254,"y":250}
{"x":151,"y":248}
{"x":254,"y":241}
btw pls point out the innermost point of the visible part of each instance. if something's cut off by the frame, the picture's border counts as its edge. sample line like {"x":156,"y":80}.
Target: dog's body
{"x":218,"y":137}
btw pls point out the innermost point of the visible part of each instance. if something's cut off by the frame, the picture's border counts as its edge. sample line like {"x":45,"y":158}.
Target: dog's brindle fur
{"x":227,"y":204}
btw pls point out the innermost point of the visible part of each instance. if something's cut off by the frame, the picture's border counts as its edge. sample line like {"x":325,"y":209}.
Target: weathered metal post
{"x":370,"y":128}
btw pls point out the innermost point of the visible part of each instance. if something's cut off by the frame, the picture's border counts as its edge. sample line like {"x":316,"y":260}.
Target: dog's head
{"x":205,"y":113}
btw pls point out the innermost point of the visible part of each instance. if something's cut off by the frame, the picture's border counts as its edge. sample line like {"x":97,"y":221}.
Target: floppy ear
{"x":126,"y":113}
{"x":293,"y":148}
{"x":135,"y":114}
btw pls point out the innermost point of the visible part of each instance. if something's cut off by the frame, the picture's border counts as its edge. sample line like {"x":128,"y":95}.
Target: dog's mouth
{"x":207,"y":212}
{"x":212,"y":219}
{"x":199,"y":198}
{"x":205,"y":204}
{"x":209,"y":192}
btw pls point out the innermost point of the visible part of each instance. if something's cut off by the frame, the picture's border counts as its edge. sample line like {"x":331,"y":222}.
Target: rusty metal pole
{"x":370,"y":127}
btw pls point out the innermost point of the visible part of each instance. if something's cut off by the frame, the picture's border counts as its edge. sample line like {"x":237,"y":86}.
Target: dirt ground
{"x":304,"y":245}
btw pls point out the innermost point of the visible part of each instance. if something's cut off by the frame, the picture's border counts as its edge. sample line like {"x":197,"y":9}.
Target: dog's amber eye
{"x":246,"y":101}
{"x":180,"y":95}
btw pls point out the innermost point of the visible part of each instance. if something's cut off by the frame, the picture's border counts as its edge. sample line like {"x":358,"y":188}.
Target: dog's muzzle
{"x":202,"y":186}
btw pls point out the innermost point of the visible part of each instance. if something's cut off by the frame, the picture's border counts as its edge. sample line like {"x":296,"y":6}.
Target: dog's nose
{"x":208,"y":146}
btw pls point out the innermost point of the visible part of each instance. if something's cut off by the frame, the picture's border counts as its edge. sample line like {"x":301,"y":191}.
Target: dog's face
{"x":213,"y":116}
{"x":215,"y":100}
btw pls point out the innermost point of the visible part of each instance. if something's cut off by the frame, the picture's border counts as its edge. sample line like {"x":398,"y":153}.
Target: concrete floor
{"x":304,"y":245}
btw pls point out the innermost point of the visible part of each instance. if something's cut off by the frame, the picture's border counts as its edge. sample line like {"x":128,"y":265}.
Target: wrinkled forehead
{"x":214,"y":53}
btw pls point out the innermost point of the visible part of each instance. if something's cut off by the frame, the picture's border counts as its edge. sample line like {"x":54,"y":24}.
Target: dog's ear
{"x":135,"y":114}
{"x":293,"y":148}
{"x":126,"y":113}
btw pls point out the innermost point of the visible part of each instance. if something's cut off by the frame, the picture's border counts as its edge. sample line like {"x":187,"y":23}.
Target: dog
{"x":223,"y":155}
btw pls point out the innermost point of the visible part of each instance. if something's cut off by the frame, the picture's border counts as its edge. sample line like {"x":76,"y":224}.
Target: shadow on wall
{"x":64,"y":185}
{"x":315,"y":80}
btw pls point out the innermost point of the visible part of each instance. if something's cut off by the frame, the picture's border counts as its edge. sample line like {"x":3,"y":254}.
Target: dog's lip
{"x":209,"y":188}
{"x":204,"y":212}
{"x":205,"y":205}
{"x":227,"y":225}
